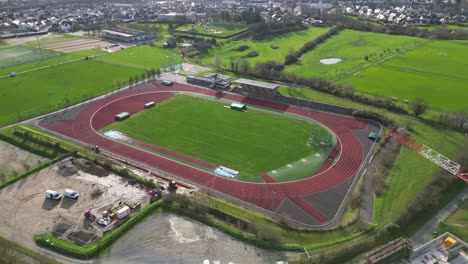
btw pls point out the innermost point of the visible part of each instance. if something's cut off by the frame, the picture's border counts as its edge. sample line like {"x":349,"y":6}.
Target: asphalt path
{"x":424,"y":234}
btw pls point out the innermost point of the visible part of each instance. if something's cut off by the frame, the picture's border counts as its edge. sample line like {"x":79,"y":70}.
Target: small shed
{"x":122,"y":116}
{"x":373,"y":136}
{"x":149,"y":105}
{"x":238,"y":107}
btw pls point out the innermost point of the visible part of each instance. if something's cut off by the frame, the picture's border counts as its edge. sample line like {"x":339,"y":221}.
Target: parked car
{"x":52,"y":195}
{"x":70,"y":194}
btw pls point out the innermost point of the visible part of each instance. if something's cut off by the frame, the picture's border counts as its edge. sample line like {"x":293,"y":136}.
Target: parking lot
{"x":28,"y":212}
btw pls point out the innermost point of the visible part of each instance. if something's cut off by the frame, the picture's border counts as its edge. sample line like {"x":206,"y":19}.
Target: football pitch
{"x":251,"y":142}
{"x":13,"y":56}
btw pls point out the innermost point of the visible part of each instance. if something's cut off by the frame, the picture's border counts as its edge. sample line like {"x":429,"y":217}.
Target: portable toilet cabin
{"x":373,"y":136}
{"x":149,"y":105}
{"x":122,"y":116}
{"x":238,"y":107}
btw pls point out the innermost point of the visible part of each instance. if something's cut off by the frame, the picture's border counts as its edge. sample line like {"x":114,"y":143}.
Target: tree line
{"x":293,"y":57}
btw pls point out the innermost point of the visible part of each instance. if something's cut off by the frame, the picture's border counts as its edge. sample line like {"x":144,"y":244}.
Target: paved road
{"x":424,"y":234}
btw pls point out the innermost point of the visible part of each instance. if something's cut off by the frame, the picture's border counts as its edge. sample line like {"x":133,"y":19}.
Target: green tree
{"x":130,"y":80}
{"x":418,"y":106}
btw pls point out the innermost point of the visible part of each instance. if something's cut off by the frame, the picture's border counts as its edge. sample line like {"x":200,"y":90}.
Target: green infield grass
{"x":284,"y":44}
{"x":435,"y":72}
{"x":212,"y":30}
{"x":16,"y":55}
{"x":351,"y":47}
{"x":251,"y":142}
{"x":143,"y":56}
{"x":41,"y":91}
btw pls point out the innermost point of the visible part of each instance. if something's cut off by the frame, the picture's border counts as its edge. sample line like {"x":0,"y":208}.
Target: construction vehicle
{"x":89,"y":215}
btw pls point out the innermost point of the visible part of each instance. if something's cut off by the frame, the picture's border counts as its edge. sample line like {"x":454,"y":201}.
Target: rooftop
{"x":258,"y":83}
{"x":445,"y":249}
{"x":117,"y":33}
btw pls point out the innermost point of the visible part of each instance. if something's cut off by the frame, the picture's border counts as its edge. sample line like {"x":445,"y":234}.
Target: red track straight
{"x":269,"y":195}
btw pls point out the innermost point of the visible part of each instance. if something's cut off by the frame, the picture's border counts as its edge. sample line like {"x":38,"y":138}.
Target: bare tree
{"x":244,"y":67}
{"x":217,"y":62}
{"x":461,"y":118}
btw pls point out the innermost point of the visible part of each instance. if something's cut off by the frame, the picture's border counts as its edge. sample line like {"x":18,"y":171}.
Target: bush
{"x":242,"y":48}
{"x":252,"y":54}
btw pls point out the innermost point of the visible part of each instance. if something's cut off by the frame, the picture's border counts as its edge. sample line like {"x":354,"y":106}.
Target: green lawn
{"x":457,"y":223}
{"x":435,"y":72}
{"x":213,"y":30}
{"x":143,"y":56}
{"x":284,"y":42}
{"x":251,"y":142}
{"x":40,"y":91}
{"x":16,"y":55}
{"x":351,"y":47}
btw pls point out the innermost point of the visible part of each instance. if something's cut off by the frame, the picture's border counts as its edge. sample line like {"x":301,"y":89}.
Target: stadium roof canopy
{"x":117,"y":33}
{"x":263,"y":85}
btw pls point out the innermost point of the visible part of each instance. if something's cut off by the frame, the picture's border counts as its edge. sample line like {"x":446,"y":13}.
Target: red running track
{"x":269,"y":196}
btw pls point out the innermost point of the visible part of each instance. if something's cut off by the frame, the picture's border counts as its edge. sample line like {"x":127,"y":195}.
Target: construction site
{"x":104,"y":200}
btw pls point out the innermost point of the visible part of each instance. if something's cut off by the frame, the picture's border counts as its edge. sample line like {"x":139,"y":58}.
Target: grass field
{"x":351,"y":47}
{"x":251,"y":142}
{"x":12,"y":56}
{"x":213,"y":30}
{"x":284,"y":42}
{"x":457,"y":223}
{"x":50,"y":61}
{"x":47,"y":89}
{"x":143,"y":56}
{"x":435,"y":71}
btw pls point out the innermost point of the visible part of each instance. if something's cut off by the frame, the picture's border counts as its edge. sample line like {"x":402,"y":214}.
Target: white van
{"x":70,"y":194}
{"x":52,"y":195}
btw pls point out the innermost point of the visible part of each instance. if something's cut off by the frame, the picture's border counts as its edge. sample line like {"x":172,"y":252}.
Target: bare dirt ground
{"x":27,"y":212}
{"x":14,"y":160}
{"x":78,"y":45}
{"x":24,"y":40}
{"x":192,"y":69}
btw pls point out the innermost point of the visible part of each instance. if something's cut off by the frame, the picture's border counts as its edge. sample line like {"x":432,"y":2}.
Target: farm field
{"x":351,"y":47}
{"x":435,"y":72}
{"x":142,"y":56}
{"x":250,"y":142}
{"x":213,"y":30}
{"x":284,"y":42}
{"x":33,"y":41}
{"x":12,"y":56}
{"x":47,"y":89}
